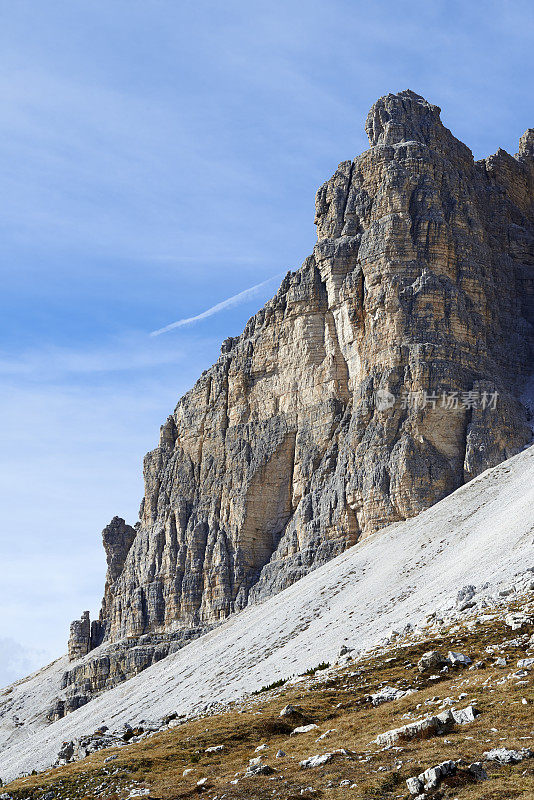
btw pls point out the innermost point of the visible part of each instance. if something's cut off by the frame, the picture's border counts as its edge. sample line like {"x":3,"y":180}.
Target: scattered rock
{"x":291,"y":711}
{"x":326,"y":734}
{"x":431,"y":660}
{"x":431,"y":778}
{"x":458,"y":659}
{"x":387,"y":694}
{"x":317,"y":761}
{"x":257,"y":767}
{"x":66,"y":753}
{"x":415,"y":785}
{"x":477,"y":771}
{"x":320,"y":760}
{"x":517,"y":621}
{"x":464,"y":715}
{"x":504,"y":756}
{"x":464,"y":598}
{"x":304,"y":729}
{"x":430,"y":726}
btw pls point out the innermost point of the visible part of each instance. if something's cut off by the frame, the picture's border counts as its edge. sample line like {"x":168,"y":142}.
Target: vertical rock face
{"x":80,"y":637}
{"x":117,"y":538}
{"x":383,"y":375}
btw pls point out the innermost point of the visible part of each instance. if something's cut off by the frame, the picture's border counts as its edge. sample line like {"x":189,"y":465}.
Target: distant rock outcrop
{"x":384,"y":374}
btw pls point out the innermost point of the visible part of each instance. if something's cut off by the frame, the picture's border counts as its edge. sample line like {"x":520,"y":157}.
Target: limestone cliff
{"x":384,"y":374}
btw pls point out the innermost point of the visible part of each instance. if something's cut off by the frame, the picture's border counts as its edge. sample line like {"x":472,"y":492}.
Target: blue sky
{"x":158,"y":158}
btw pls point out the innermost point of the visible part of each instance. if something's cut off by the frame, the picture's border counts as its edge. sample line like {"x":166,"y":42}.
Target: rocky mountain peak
{"x":408,"y":117}
{"x":386,"y":372}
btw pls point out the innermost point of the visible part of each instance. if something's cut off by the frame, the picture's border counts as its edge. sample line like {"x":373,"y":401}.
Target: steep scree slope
{"x":482,"y":534}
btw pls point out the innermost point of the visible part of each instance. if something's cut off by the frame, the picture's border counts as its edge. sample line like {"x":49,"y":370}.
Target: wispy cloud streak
{"x":230,"y":302}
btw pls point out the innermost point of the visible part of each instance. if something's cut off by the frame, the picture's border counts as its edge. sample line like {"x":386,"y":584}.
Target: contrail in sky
{"x":230,"y":302}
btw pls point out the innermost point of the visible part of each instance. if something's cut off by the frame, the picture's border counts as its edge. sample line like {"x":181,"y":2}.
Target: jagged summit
{"x":403,"y":117}
{"x":386,"y":372}
{"x":407,"y":117}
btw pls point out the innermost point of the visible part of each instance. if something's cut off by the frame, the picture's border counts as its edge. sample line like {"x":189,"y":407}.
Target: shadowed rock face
{"x":308,"y":432}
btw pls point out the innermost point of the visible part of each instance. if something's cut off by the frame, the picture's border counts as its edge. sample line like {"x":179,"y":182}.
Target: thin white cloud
{"x":230,"y":302}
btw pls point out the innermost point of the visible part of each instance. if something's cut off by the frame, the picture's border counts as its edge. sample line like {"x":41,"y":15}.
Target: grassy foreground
{"x":336,"y":699}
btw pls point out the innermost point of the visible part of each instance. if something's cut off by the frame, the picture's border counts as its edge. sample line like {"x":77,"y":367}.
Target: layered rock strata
{"x":384,"y":374}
